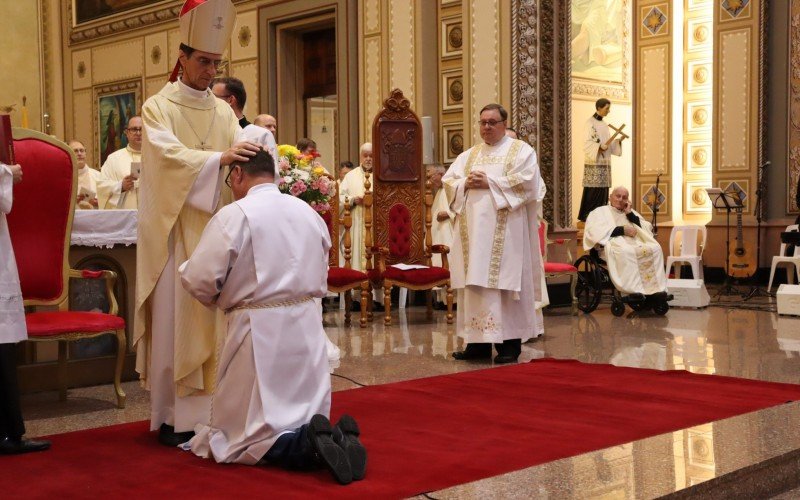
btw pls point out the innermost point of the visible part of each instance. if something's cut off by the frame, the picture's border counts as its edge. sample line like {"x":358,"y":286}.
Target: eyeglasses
{"x":228,"y":177}
{"x":135,"y":130}
{"x":489,"y":123}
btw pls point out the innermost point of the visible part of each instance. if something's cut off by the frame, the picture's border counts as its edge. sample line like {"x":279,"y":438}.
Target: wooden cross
{"x":617,"y":131}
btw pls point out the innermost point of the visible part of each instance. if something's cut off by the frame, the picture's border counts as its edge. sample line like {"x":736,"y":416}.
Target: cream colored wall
{"x":621,"y":166}
{"x":21,"y":61}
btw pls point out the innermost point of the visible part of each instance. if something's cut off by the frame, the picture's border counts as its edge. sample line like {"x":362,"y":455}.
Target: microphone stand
{"x":755,"y":290}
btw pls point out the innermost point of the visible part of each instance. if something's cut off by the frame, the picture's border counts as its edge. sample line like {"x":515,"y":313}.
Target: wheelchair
{"x":594,"y":279}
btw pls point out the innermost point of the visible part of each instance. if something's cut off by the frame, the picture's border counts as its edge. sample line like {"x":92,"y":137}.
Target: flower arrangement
{"x":303,"y":177}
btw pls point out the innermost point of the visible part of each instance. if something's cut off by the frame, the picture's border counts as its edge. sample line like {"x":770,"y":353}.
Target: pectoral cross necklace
{"x":202,"y":146}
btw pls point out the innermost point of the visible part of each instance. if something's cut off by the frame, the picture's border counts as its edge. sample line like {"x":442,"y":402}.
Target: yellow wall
{"x":20,"y":64}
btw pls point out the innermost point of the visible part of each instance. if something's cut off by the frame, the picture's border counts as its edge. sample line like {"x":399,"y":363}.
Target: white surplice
{"x":597,"y":163}
{"x":496,"y":265}
{"x":87,"y":185}
{"x":116,"y":167}
{"x":635,"y":263}
{"x":12,"y":313}
{"x":266,"y":254}
{"x":441,"y":232}
{"x":352,"y":186}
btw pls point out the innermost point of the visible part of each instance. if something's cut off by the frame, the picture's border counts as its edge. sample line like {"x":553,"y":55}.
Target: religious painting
{"x":114,"y":106}
{"x":600,"y":42}
{"x":91,"y":10}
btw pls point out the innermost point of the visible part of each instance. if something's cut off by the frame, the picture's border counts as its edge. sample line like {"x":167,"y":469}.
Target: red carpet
{"x":421,"y":435}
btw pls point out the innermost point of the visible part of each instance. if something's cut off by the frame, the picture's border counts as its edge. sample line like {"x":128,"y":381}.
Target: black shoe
{"x":168,"y":437}
{"x":328,"y":453}
{"x":474,"y":351}
{"x":345,"y":434}
{"x":377,"y":306}
{"x":502,"y":359}
{"x":9,"y":446}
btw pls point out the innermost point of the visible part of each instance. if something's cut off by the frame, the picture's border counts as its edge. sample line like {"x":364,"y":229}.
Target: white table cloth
{"x":104,"y":228}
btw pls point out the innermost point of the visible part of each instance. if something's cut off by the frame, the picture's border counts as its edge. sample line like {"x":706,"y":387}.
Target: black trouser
{"x":11,"y":424}
{"x":293,"y":450}
{"x":511,"y":347}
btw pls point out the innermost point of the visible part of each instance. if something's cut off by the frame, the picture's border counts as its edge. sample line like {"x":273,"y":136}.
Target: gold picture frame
{"x":452,"y":141}
{"x":452,"y":90}
{"x":88,"y":23}
{"x":112,"y":107}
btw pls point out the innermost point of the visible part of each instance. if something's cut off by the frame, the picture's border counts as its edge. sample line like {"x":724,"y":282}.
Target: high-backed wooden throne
{"x":399,"y":229}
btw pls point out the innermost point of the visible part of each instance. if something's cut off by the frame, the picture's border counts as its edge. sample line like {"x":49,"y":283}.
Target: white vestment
{"x":87,"y":185}
{"x":495,"y":261}
{"x":597,"y":163}
{"x":266,"y":254}
{"x":12,"y":312}
{"x":352,"y":187}
{"x":175,"y":336}
{"x":441,"y":232}
{"x":635,"y":263}
{"x":116,"y":167}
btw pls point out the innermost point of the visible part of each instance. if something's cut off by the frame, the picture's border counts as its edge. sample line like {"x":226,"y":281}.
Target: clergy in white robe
{"x":495,"y":262}
{"x":597,"y":159}
{"x":87,"y":179}
{"x":12,"y":328}
{"x":262,"y":260}
{"x":441,"y":224}
{"x":119,"y":179}
{"x":352,"y":189}
{"x":634,"y":257}
{"x":190,"y":136}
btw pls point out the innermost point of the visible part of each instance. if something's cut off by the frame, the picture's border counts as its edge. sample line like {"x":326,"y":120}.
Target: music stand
{"x":728,"y":202}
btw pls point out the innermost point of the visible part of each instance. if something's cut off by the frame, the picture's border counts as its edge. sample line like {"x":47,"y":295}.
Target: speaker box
{"x":688,"y":293}
{"x":789,"y":299}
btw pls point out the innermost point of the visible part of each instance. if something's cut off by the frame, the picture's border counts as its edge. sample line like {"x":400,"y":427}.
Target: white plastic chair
{"x":782,"y":258}
{"x":689,"y":250}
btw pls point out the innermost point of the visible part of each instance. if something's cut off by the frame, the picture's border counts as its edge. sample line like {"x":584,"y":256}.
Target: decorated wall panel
{"x":483,"y":53}
{"x":653,"y":46}
{"x":738,"y":98}
{"x":793,"y":154}
{"x":452,"y":92}
{"x":247,"y":72}
{"x":118,"y":61}
{"x":156,"y":55}
{"x":244,"y":39}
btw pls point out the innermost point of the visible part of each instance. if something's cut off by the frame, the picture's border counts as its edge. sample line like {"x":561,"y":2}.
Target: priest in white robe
{"x":496,"y":266}
{"x":119,"y":178}
{"x":597,"y":159}
{"x":442,"y":219}
{"x":87,"y":179}
{"x":634,"y":257}
{"x":352,"y":189}
{"x":12,"y":329}
{"x":190,"y":136}
{"x":263,"y":259}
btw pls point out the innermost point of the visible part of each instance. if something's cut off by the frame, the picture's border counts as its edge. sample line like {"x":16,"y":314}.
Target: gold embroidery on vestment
{"x":462,"y":223}
{"x":499,"y":239}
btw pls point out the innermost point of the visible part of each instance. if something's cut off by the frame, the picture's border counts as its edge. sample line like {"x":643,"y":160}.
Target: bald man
{"x":268,"y":122}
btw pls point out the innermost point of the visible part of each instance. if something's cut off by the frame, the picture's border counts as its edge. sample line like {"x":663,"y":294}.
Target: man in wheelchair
{"x":634,"y":258}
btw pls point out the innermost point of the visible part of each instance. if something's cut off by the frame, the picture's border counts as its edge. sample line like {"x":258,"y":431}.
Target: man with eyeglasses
{"x":190,"y":138}
{"x":120,"y":172}
{"x":495,"y":263}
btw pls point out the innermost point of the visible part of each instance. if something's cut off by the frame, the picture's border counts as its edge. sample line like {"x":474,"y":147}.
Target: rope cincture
{"x":270,"y":305}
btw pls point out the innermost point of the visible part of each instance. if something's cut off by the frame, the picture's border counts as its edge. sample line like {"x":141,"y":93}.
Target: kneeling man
{"x":262,"y":260}
{"x":634,"y":257}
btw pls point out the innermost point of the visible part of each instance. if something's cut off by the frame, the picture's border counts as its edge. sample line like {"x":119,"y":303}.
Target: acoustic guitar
{"x":741,"y":257}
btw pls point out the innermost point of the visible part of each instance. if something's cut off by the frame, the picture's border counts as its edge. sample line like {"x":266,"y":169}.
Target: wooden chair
{"x":40,"y":225}
{"x":401,"y":230}
{"x":558,"y":269}
{"x":344,"y":279}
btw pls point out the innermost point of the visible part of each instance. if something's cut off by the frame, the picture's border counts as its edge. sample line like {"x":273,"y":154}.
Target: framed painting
{"x":601,"y":49}
{"x":85,"y":11}
{"x":114,"y":105}
{"x":91,"y":19}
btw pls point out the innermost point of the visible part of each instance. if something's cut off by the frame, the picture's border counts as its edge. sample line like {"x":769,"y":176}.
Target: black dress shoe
{"x":474,"y":351}
{"x":345,"y":434}
{"x":168,"y":437}
{"x":9,"y":446}
{"x":502,"y":359}
{"x":327,"y":452}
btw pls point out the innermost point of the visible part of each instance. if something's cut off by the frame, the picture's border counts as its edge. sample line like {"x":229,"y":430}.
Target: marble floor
{"x":731,"y":337}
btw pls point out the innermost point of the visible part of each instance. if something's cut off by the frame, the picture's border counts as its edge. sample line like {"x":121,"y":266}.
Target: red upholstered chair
{"x":345,"y":279}
{"x":40,"y":224}
{"x":556,"y":269}
{"x":401,"y":230}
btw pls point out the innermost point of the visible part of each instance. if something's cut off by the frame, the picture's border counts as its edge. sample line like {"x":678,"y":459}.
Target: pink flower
{"x":283,"y":164}
{"x":298,"y":188}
